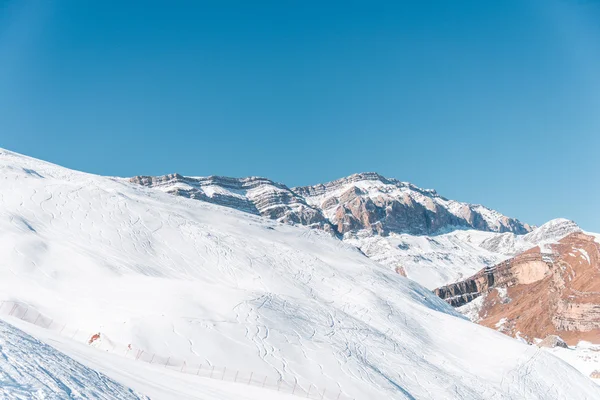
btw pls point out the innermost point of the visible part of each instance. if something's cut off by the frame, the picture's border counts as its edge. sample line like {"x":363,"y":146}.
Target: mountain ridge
{"x":361,"y":201}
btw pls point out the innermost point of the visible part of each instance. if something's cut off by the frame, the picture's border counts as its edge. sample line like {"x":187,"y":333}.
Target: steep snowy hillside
{"x":30,"y":369}
{"x":201,"y":282}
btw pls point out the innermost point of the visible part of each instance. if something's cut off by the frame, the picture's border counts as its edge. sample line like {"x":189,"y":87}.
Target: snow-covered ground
{"x":585,"y":357}
{"x":200,"y":282}
{"x":433,"y":261}
{"x":31,"y":369}
{"x":438,"y":260}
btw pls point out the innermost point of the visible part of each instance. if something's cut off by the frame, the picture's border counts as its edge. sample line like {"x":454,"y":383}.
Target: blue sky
{"x":492,"y":102}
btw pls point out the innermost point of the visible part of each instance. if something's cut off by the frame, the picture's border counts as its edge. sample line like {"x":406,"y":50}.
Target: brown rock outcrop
{"x":534,"y":295}
{"x":552,"y":341}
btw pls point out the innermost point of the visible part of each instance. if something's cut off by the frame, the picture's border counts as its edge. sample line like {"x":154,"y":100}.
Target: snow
{"x":471,"y":309}
{"x":503,"y":294}
{"x":203,"y":283}
{"x":500,"y":324}
{"x":30,"y":369}
{"x":595,"y":235}
{"x":152,"y":380}
{"x":585,"y":357}
{"x":433,"y":261}
{"x":438,"y":260}
{"x":585,"y":255}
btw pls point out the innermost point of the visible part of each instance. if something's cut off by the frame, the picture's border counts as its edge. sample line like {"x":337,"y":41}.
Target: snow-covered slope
{"x":60,"y":377}
{"x":30,"y":369}
{"x":198,"y":281}
{"x":437,"y":260}
{"x":549,"y":233}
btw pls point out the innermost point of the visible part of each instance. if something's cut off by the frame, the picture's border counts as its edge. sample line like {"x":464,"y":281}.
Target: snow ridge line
{"x":30,"y":315}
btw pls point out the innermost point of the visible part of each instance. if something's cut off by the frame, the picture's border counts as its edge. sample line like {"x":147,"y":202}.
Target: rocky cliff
{"x":371,"y":202}
{"x":537,"y":294}
{"x":365,"y":202}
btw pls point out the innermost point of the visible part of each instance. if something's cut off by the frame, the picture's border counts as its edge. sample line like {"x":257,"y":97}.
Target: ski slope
{"x":30,"y":369}
{"x":200,"y":282}
{"x":38,"y":370}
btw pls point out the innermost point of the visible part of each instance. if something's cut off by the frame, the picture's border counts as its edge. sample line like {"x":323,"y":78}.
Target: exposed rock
{"x":253,"y":195}
{"x":595,"y":374}
{"x":361,"y":202}
{"x":526,"y":268}
{"x":554,"y":293}
{"x":400,"y":270}
{"x":368,"y":201}
{"x":552,"y":341}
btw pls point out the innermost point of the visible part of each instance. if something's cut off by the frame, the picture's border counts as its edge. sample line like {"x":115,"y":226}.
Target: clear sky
{"x":492,"y":102}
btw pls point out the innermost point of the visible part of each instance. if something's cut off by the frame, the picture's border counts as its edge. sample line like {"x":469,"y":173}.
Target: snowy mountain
{"x":546,"y":295}
{"x":259,"y":196}
{"x":385,"y":218}
{"x":414,"y":231}
{"x":549,"y":233}
{"x":206,"y":283}
{"x":434,"y":261}
{"x":370,"y":202}
{"x":31,"y":369}
{"x":366,"y":201}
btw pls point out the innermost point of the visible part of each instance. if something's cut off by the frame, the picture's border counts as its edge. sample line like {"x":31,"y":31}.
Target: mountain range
{"x":445,"y":245}
{"x":360,"y":202}
{"x":417,"y":232}
{"x":238,"y":283}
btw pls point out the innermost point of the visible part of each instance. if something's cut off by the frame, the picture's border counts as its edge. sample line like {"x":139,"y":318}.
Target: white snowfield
{"x":39,"y":371}
{"x":196,"y":281}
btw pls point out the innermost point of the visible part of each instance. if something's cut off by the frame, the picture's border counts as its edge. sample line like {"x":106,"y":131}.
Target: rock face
{"x":364,"y":202}
{"x":537,"y":294}
{"x":253,"y":195}
{"x":553,"y":341}
{"x":370,"y":202}
{"x":523,"y":269}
